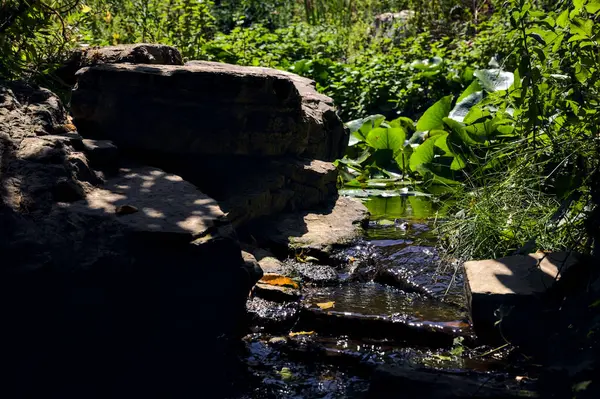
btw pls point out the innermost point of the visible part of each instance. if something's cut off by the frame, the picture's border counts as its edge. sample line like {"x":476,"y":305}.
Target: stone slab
{"x":511,"y":291}
{"x":317,"y":232}
{"x":147,"y":199}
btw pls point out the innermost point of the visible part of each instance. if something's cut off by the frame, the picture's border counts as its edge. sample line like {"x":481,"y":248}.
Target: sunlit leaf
{"x":278,"y":280}
{"x":434,"y":115}
{"x":326,"y":305}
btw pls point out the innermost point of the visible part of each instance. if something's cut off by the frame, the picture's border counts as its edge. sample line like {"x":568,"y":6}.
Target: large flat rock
{"x":206,"y":108}
{"x":510,"y":290}
{"x":318,"y":231}
{"x":147,"y":199}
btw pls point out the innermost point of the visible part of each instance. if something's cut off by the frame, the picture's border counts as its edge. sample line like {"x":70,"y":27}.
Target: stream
{"x":387,"y":300}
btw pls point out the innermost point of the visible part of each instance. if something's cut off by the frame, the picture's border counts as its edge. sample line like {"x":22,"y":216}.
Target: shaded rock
{"x":117,"y":299}
{"x":510,"y":290}
{"x":124,"y":53}
{"x":268,"y":262}
{"x":259,"y":111}
{"x":103,"y":154}
{"x":316,"y":232}
{"x":415,"y":383}
{"x":275,"y":293}
{"x":252,"y":269}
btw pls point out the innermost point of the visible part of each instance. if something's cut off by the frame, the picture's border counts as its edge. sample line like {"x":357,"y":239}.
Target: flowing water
{"x":393,"y":302}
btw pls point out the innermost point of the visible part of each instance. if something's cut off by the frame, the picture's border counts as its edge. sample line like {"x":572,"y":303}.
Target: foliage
{"x":34,"y":36}
{"x":185,"y":24}
{"x":443,"y":146}
{"x":542,"y":192}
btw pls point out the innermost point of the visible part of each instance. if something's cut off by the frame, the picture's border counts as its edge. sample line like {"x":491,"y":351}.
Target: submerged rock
{"x":416,"y":383}
{"x":272,"y":315}
{"x":375,"y":311}
{"x":317,"y":274}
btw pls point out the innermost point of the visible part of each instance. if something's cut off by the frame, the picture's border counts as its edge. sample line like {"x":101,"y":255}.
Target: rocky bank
{"x":120,"y":229}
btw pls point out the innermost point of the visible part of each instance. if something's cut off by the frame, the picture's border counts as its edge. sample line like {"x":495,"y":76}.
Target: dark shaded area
{"x":91,"y":305}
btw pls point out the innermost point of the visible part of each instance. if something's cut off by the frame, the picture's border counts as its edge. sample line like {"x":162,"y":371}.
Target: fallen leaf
{"x":326,"y":305}
{"x":294,"y":334}
{"x":279,"y":280}
{"x":286,"y":374}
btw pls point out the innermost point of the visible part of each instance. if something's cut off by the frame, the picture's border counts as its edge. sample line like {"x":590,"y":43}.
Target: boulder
{"x":142,"y":53}
{"x":316,"y":232}
{"x":207,"y":108}
{"x":511,"y":291}
{"x":113,"y":290}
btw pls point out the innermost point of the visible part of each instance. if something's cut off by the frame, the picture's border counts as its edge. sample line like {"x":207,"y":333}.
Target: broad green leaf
{"x":582,"y":27}
{"x":493,"y":80}
{"x":433,"y":117}
{"x":472,"y":88}
{"x":475,"y":114}
{"x":592,"y":6}
{"x":563,"y":19}
{"x":423,"y":154}
{"x":403,"y":122}
{"x":387,"y":138}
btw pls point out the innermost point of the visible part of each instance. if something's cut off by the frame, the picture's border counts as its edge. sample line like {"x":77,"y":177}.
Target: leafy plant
{"x":442,"y":147}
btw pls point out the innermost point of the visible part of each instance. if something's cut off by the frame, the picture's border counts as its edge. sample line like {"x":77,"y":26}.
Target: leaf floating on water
{"x":286,"y":374}
{"x":279,"y":280}
{"x":295,"y":334}
{"x":326,"y":305}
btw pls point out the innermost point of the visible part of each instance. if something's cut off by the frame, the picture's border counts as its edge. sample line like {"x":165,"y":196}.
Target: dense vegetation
{"x":494,"y":103}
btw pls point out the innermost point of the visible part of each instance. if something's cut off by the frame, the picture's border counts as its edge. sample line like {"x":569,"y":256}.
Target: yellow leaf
{"x":294,"y":334}
{"x":279,"y":280}
{"x":286,"y":374}
{"x":326,"y":305}
{"x":85,"y":9}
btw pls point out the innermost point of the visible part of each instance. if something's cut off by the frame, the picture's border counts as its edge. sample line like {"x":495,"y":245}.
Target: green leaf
{"x":563,"y":19}
{"x":387,"y":138}
{"x":472,"y":88}
{"x":403,"y":122}
{"x":433,"y":117}
{"x":423,"y":154}
{"x":428,"y":64}
{"x":592,"y":6}
{"x":582,"y":27}
{"x":364,"y":125}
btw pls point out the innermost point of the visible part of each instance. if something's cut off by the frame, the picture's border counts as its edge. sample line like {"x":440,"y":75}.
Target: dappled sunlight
{"x":154,"y":201}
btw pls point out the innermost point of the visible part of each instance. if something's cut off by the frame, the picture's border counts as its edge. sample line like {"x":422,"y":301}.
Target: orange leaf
{"x":326,"y":305}
{"x":279,"y":280}
{"x":293,"y":334}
